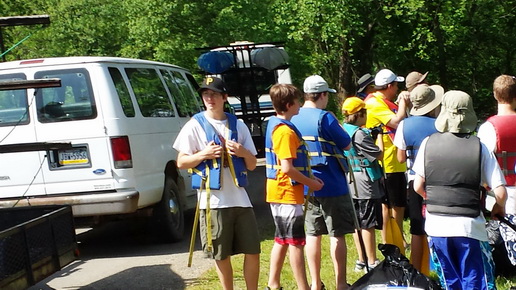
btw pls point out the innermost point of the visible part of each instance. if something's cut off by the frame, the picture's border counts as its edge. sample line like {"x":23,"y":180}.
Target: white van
{"x":121,"y":116}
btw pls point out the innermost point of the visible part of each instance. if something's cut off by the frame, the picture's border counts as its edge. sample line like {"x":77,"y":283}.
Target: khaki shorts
{"x":234,"y":231}
{"x":331,"y":216}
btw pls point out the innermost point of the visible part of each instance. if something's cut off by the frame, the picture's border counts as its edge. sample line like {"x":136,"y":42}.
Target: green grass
{"x":209,"y":280}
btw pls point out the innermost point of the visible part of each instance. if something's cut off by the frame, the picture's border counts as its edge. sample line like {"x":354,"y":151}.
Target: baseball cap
{"x":425,"y":98}
{"x":213,"y":83}
{"x":457,"y":113}
{"x":386,"y":76}
{"x":364,"y":81}
{"x":352,"y":105}
{"x":414,"y":78}
{"x":316,"y":84}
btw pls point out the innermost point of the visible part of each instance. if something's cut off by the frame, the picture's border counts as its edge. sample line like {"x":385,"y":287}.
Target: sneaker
{"x":269,"y":288}
{"x":373,"y":265}
{"x":359,"y":266}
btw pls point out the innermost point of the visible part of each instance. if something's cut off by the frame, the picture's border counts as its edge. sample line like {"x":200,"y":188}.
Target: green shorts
{"x":234,"y":231}
{"x":331,"y":216}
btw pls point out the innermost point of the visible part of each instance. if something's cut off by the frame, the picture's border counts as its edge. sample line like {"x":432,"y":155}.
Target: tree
{"x":463,"y":44}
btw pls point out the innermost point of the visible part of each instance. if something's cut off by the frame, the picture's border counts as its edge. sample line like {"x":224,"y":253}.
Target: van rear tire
{"x":169,"y":214}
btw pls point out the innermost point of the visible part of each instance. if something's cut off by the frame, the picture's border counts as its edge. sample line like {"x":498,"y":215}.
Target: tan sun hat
{"x":425,"y":98}
{"x":457,"y":113}
{"x":413,"y":79}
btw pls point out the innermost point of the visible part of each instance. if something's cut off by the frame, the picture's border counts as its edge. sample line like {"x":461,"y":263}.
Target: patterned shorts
{"x":462,"y":263}
{"x":289,"y":221}
{"x":509,"y":237}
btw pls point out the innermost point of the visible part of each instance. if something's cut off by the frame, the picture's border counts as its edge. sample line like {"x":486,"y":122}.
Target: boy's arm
{"x":402,"y":155}
{"x":288,"y":168}
{"x":501,"y":197}
{"x":400,"y":114}
{"x":419,"y":185}
{"x":235,"y":148}
{"x":211,"y":151}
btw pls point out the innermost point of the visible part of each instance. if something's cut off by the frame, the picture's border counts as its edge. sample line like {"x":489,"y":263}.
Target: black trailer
{"x":35,"y":242}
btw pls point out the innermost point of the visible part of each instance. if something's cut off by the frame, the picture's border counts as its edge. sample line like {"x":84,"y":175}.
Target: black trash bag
{"x":395,"y":270}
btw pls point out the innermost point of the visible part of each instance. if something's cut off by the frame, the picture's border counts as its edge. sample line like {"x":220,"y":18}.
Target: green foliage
{"x":463,"y":44}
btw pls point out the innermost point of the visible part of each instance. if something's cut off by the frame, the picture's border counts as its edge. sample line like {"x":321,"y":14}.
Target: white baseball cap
{"x":316,"y":84}
{"x":386,"y":76}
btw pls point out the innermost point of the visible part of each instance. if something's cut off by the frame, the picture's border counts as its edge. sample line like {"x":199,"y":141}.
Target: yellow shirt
{"x":280,"y":190}
{"x":379,"y":113}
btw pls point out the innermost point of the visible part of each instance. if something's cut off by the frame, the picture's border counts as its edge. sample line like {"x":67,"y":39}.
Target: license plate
{"x":76,"y":156}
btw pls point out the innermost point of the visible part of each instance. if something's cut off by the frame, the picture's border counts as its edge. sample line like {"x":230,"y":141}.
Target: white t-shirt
{"x":437,"y":225}
{"x":192,"y":139}
{"x":399,"y":142}
{"x":487,"y":134}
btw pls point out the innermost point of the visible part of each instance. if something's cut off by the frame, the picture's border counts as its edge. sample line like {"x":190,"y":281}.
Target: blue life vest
{"x":301,"y":162}
{"x":319,"y":148}
{"x":358,"y":161}
{"x":415,"y":130}
{"x":213,"y":166}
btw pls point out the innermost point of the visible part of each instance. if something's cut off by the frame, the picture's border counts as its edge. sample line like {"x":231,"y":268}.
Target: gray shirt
{"x":367,"y":189}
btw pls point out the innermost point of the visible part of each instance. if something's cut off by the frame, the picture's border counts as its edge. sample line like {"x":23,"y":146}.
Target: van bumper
{"x":87,"y":204}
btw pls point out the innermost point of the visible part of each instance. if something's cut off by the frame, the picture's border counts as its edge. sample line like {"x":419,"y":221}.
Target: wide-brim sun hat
{"x":457,"y":113}
{"x":425,"y":98}
{"x":413,"y":79}
{"x":364,"y":81}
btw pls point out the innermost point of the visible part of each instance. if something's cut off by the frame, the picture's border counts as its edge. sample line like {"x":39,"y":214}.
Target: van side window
{"x":122,"y":91}
{"x":72,"y":101}
{"x":181,"y":93}
{"x":13,"y":103}
{"x":150,"y":93}
{"x":195,"y":87}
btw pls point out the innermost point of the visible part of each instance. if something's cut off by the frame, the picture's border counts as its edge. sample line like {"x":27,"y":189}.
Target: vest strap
{"x":504,"y":155}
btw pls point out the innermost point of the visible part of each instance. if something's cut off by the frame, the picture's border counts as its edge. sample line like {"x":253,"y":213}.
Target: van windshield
{"x":13,"y":103}
{"x":72,"y":101}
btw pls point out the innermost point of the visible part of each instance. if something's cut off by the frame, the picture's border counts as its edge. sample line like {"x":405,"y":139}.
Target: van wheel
{"x":168,"y":214}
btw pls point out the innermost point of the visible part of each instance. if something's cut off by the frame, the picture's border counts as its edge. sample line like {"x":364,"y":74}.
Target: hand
{"x":211,"y":151}
{"x":317,"y":184}
{"x":403,"y":96}
{"x":497,"y":210}
{"x":235,"y":148}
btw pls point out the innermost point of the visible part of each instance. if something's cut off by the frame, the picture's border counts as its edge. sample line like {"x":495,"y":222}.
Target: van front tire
{"x":168,"y":214}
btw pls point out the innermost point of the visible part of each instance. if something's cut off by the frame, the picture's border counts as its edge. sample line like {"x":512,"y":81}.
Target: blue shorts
{"x":463,"y":263}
